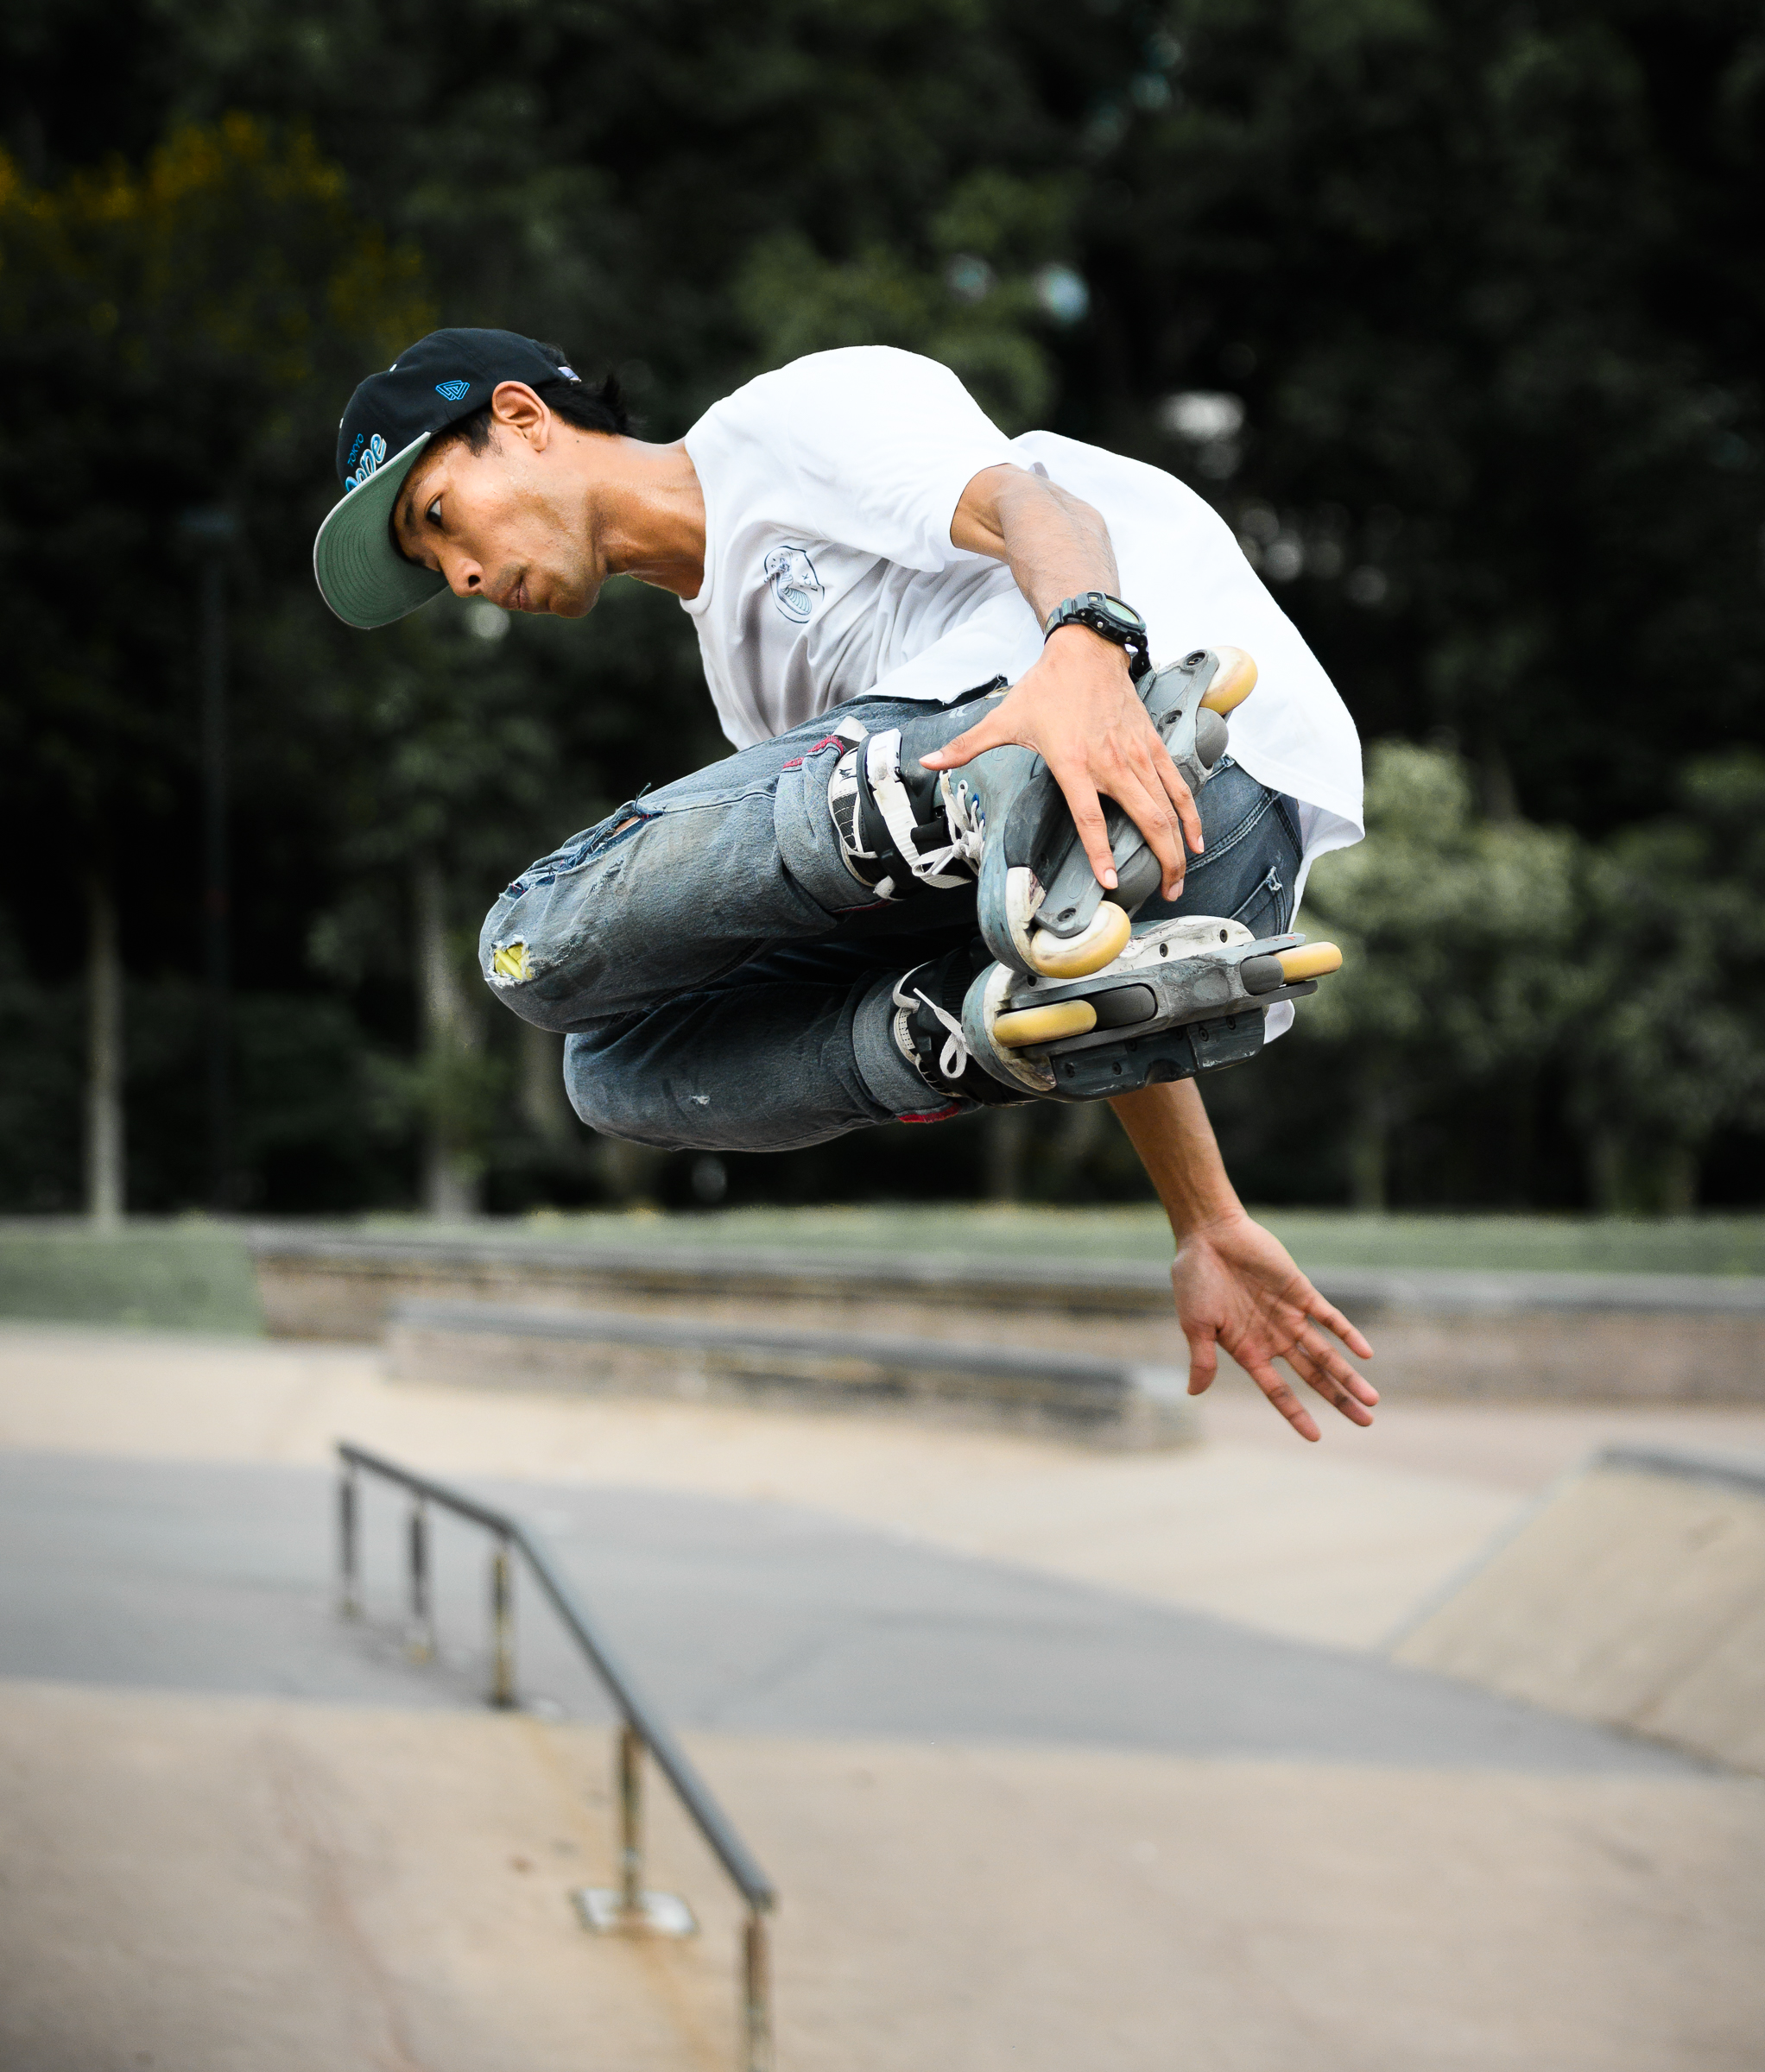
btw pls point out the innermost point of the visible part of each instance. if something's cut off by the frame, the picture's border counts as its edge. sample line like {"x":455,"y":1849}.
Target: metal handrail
{"x":631,"y":1910}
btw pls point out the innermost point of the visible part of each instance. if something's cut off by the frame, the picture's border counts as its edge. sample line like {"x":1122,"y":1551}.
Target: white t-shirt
{"x":829,"y":573}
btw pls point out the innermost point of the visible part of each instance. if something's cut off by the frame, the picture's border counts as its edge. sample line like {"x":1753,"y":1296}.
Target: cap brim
{"x":361,"y":574}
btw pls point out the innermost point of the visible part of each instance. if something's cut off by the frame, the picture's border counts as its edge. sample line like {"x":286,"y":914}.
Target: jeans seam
{"x":1269,"y":885}
{"x":1247,"y":826}
{"x":718,"y":800}
{"x":637,"y":817}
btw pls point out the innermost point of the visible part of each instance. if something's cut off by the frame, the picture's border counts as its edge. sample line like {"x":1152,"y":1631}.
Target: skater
{"x":1029,"y":769}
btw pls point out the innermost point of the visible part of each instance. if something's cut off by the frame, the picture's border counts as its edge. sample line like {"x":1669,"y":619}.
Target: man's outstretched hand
{"x":1236,"y":1286}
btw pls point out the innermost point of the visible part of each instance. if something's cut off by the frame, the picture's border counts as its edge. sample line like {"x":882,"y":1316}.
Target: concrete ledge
{"x":286,"y":1259}
{"x":1633,"y":1596}
{"x":1104,"y":1402}
{"x":314,"y":1283}
{"x":1554,"y":1337}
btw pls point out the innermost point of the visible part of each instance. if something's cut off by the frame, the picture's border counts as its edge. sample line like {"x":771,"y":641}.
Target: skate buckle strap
{"x":881,"y":755}
{"x":843,"y":808}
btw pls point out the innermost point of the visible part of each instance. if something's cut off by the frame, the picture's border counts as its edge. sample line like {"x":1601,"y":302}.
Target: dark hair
{"x":590,"y":406}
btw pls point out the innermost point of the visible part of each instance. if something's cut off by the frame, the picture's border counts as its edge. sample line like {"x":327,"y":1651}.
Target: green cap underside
{"x":361,"y":574}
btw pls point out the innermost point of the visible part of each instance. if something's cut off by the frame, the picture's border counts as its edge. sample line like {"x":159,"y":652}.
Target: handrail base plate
{"x":603,"y":1912}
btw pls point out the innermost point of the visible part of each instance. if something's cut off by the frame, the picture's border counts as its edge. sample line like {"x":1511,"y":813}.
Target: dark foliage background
{"x":1454,"y":309}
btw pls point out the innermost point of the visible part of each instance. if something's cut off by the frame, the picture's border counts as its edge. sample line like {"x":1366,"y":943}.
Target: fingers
{"x":1204,"y":1362}
{"x":965,"y":746}
{"x":1319,"y":1349}
{"x":1148,"y":805}
{"x":1086,"y":809}
{"x":1282,"y":1397}
{"x":1137,"y":793}
{"x":1321,"y":1367}
{"x":1334,"y":1320}
{"x":1183,"y":800}
{"x":1324,"y":1370}
{"x":1170,"y":781}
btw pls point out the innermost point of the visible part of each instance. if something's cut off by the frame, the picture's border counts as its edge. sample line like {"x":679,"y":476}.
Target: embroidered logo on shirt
{"x":796,"y":589}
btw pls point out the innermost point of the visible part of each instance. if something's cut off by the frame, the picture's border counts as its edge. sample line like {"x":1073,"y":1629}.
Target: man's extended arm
{"x":1236,"y":1285}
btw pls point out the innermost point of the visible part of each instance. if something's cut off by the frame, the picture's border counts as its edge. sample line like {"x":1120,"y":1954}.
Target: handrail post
{"x":756,"y":1995}
{"x":349,"y":1601}
{"x":627,"y":1909}
{"x":502,"y":1626}
{"x":422,"y":1641}
{"x":630,"y":1821}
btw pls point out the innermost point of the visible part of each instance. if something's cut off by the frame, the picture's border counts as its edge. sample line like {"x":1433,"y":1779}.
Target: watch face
{"x":1119,"y":614}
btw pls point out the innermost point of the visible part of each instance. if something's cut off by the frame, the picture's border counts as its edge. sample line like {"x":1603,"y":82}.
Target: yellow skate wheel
{"x":1310,"y":960}
{"x":1233,"y":682}
{"x":1045,"y":1025}
{"x":1078,"y":955}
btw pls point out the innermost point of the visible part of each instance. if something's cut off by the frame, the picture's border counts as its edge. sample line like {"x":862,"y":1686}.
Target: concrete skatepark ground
{"x":1057,"y":1759}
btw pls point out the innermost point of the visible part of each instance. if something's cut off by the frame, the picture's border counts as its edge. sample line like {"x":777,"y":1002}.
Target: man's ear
{"x":515,"y":407}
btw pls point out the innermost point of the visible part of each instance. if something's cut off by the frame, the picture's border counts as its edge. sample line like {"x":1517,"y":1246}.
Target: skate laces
{"x":953,"y":1058}
{"x":968,"y":823}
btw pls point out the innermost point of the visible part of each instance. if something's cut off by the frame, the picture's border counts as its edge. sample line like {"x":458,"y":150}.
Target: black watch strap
{"x":1101,"y":614}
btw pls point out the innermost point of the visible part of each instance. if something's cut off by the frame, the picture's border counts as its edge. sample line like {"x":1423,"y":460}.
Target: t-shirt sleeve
{"x":873,"y":447}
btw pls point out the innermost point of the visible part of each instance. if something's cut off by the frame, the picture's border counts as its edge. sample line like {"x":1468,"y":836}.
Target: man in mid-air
{"x":982,"y":839}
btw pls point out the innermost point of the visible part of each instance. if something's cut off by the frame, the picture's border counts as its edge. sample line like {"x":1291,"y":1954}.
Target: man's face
{"x":506,"y":524}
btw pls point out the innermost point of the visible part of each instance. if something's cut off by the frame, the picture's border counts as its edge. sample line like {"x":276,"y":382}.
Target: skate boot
{"x":1002,"y":821}
{"x":928,"y":1032}
{"x":1184,"y":997}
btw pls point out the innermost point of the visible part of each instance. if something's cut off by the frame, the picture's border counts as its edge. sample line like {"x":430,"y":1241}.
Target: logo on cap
{"x":452,"y":391}
{"x":370,"y":460}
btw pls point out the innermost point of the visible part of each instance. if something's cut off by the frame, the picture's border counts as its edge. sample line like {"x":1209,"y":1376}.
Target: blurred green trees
{"x":1454,"y":310}
{"x":1460,"y":938}
{"x":166,"y":338}
{"x":1493,"y":957}
{"x":1669,"y":1054}
{"x":1485,"y":281}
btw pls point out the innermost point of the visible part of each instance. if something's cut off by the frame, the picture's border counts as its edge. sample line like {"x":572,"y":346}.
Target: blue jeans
{"x":724,"y":982}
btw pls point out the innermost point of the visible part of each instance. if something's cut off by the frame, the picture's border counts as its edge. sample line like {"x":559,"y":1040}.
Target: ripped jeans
{"x":724,"y":982}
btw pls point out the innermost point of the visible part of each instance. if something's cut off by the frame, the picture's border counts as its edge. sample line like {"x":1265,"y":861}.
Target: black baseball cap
{"x":391,"y":418}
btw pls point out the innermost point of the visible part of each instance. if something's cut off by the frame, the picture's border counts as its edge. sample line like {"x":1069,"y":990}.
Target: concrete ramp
{"x":243,"y":1884}
{"x":195,"y":1883}
{"x":1635,"y":1597}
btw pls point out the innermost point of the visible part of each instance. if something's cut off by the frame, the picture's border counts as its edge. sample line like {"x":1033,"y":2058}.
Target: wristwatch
{"x":1107,"y":615}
